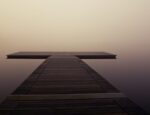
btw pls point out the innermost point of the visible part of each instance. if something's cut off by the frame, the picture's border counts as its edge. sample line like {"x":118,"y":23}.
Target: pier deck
{"x":64,"y":85}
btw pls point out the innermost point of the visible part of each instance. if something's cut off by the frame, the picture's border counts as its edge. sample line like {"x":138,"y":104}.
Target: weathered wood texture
{"x":64,"y":74}
{"x":65,"y":85}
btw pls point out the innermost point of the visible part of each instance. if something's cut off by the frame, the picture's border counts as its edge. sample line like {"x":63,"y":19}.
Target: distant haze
{"x":116,"y":26}
{"x":74,"y":25}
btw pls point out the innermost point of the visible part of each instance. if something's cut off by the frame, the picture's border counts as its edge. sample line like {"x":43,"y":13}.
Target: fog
{"x":121,"y":27}
{"x":75,"y":25}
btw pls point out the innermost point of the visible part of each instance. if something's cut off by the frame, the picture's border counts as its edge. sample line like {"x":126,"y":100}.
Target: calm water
{"x":129,"y":73}
{"x":117,"y":26}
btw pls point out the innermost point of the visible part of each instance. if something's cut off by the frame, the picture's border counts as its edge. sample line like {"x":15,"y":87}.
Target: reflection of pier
{"x":64,"y":85}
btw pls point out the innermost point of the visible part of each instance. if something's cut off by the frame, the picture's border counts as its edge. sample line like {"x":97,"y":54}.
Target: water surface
{"x":129,"y":73}
{"x":116,"y":26}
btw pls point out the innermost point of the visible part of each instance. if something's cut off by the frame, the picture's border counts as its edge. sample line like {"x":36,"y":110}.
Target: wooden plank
{"x":102,"y":106}
{"x":65,"y":96}
{"x":65,"y":85}
{"x":68,"y":69}
{"x":43,"y":55}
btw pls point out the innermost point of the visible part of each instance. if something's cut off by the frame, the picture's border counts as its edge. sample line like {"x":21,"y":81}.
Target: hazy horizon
{"x":74,"y":25}
{"x":121,"y":27}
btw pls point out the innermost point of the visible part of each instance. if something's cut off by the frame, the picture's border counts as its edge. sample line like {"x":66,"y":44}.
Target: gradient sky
{"x":117,"y":26}
{"x":74,"y":25}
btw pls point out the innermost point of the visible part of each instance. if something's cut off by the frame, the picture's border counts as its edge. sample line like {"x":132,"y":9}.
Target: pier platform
{"x":64,"y":85}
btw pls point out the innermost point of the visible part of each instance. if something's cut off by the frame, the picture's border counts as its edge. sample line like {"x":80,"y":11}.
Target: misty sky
{"x":74,"y":25}
{"x":121,"y":27}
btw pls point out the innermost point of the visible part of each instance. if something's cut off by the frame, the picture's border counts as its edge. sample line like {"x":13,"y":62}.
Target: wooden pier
{"x":64,"y":85}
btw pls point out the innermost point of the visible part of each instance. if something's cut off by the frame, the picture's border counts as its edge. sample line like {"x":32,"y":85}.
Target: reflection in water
{"x":129,"y":74}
